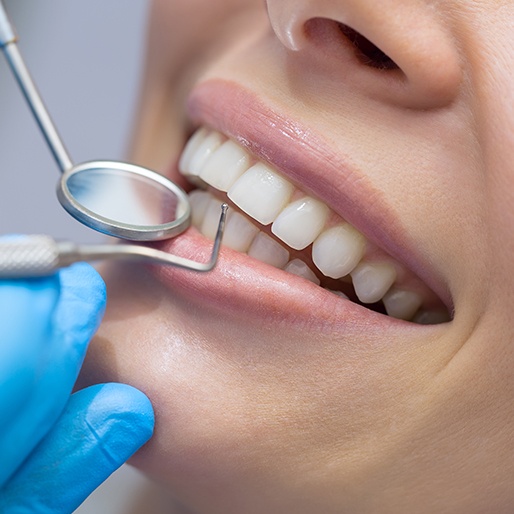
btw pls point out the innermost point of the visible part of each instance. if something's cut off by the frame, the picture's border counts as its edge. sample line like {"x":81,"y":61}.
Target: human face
{"x":273,"y":394}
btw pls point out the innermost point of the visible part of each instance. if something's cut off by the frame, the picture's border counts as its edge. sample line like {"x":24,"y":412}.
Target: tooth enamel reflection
{"x":261,"y":193}
{"x":202,"y":153}
{"x":267,"y":250}
{"x":225,"y":166}
{"x":338,"y":250}
{"x":211,"y":220}
{"x":402,"y":304}
{"x":301,"y":222}
{"x":199,"y":202}
{"x":297,"y":267}
{"x":239,"y":232}
{"x":190,"y":150}
{"x":371,"y":281}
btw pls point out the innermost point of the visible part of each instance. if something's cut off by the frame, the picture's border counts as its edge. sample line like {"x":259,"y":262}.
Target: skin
{"x":273,"y":417}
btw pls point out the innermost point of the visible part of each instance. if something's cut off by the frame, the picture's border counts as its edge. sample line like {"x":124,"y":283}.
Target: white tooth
{"x":402,"y":304}
{"x":225,"y":166}
{"x":297,"y":267}
{"x":339,"y":293}
{"x":371,"y":281}
{"x":338,"y":250}
{"x":266,"y":249}
{"x":431,"y":317}
{"x":192,"y":145}
{"x":199,"y":203}
{"x":202,"y":153}
{"x":212,"y":218}
{"x":261,"y":193}
{"x":301,"y":222}
{"x":239,"y":232}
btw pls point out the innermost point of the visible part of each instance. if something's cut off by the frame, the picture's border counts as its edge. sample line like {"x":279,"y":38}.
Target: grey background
{"x":86,"y":57}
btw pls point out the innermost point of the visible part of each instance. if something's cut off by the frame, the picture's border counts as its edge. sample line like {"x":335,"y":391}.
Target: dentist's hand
{"x":55,"y":449}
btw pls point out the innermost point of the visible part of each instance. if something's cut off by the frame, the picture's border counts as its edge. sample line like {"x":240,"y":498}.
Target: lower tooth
{"x":267,"y":250}
{"x":431,"y":317}
{"x":199,"y":202}
{"x":239,"y":233}
{"x":402,"y":304}
{"x":210,"y":222}
{"x":371,"y":281}
{"x":299,"y":268}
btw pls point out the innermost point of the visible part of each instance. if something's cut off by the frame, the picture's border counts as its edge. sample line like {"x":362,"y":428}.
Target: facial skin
{"x":270,"y":408}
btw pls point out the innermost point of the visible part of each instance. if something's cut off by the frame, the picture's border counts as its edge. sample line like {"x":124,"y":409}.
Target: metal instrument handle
{"x":32,"y":256}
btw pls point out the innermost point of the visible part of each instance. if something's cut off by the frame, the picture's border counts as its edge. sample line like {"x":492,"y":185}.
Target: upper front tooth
{"x":261,"y":193}
{"x":301,"y":222}
{"x":225,"y":166}
{"x":203,"y":145}
{"x":371,"y":281}
{"x":338,"y":250}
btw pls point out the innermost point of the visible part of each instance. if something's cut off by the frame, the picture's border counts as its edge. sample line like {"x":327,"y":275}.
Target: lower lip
{"x":243,"y":286}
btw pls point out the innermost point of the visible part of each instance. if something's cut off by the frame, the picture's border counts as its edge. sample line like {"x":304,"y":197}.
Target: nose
{"x":402,"y":51}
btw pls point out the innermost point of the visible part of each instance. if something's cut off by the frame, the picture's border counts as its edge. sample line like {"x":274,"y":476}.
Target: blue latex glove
{"x":55,"y":449}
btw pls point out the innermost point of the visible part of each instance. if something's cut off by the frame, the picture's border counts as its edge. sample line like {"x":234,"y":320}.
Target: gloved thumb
{"x":100,"y":428}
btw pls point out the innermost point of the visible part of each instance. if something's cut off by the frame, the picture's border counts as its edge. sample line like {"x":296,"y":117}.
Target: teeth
{"x":198,"y":151}
{"x":431,"y":317}
{"x":211,"y":159}
{"x":239,"y":232}
{"x":199,"y":202}
{"x":261,"y":193}
{"x":301,"y":222}
{"x":371,"y":281}
{"x":402,"y":304}
{"x":298,"y":267}
{"x":225,"y":166}
{"x":210,"y":221}
{"x":338,"y":250}
{"x":267,"y":250}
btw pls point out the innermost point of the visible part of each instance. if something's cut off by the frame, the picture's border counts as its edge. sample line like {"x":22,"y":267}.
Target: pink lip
{"x":242,"y":284}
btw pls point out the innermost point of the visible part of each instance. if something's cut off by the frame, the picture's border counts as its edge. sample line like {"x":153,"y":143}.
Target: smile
{"x":275,"y":222}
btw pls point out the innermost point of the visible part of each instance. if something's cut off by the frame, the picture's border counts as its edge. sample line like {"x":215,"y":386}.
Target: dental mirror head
{"x":124,"y":201}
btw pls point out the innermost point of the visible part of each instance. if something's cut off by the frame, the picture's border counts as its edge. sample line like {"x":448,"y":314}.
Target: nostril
{"x":369,"y":54}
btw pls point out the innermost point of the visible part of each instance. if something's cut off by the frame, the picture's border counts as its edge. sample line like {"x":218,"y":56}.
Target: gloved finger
{"x":101,"y":427}
{"x":26,"y":308}
{"x":81,"y":304}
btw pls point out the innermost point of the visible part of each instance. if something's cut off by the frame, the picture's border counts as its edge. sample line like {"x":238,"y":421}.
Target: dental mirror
{"x":115,"y":198}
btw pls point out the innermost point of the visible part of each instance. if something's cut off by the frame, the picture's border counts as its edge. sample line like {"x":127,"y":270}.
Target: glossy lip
{"x":310,"y":163}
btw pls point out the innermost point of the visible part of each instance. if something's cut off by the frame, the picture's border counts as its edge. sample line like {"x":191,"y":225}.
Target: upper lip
{"x":313,"y":165}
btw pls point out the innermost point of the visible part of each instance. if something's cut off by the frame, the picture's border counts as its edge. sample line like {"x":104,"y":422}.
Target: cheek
{"x":231,"y":396}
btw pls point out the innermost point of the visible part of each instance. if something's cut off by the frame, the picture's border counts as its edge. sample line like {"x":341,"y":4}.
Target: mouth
{"x":275,"y":222}
{"x":308,"y":237}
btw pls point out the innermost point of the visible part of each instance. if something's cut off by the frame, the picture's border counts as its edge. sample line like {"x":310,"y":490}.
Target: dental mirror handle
{"x":21,"y":73}
{"x":39,"y":255}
